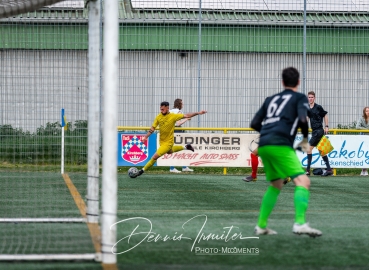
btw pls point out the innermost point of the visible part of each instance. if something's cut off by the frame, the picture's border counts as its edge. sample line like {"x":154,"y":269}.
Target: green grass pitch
{"x":338,"y":206}
{"x":178,"y":204}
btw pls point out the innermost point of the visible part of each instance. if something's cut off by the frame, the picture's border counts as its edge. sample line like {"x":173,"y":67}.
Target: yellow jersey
{"x":166,"y":125}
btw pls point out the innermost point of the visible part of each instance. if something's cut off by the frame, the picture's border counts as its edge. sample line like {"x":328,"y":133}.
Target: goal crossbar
{"x":42,"y":220}
{"x":46,"y":257}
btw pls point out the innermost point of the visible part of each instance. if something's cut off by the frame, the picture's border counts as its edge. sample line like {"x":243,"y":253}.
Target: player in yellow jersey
{"x":166,"y":122}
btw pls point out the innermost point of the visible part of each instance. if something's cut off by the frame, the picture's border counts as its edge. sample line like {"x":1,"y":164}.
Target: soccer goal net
{"x":222,"y":56}
{"x":43,"y":69}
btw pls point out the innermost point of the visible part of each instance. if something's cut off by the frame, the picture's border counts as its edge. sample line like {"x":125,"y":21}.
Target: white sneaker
{"x":366,"y":172}
{"x":305,"y":229}
{"x":363,"y":173}
{"x":266,"y":231}
{"x":187,"y":169}
{"x":174,"y":171}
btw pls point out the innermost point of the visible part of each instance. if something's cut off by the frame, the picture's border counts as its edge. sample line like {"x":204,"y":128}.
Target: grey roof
{"x":255,"y":5}
{"x":127,"y":14}
{"x":254,"y":17}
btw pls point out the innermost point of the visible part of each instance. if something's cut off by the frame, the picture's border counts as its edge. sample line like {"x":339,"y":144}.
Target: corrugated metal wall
{"x":34,"y":85}
{"x":233,"y":85}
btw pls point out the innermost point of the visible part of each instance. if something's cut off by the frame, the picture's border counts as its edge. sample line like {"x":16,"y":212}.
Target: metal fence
{"x":223,"y":56}
{"x":228,"y":69}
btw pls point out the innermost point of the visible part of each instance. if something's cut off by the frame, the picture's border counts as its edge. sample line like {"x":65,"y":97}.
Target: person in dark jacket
{"x":316,"y":114}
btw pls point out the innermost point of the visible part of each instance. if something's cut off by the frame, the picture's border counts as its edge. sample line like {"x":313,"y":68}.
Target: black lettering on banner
{"x":178,"y":140}
{"x":236,"y":140}
{"x":206,"y":140}
{"x":189,"y":140}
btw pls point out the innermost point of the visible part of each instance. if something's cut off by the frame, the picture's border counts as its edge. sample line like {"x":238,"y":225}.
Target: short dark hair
{"x":290,"y":77}
{"x":164,"y":103}
{"x":311,"y":93}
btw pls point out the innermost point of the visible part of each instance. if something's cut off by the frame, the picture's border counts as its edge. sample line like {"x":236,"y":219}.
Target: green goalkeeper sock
{"x":177,"y":148}
{"x":267,"y":205}
{"x":149,"y":164}
{"x":301,"y":199}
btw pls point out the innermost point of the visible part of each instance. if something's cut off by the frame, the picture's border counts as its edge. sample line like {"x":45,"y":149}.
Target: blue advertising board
{"x":132,"y":151}
{"x":350,"y":151}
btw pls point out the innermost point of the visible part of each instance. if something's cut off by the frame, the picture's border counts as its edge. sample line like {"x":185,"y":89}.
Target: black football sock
{"x":326,"y":161}
{"x":310,"y":157}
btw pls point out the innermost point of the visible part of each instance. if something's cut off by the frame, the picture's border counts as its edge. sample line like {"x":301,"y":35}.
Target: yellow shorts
{"x":163,"y":149}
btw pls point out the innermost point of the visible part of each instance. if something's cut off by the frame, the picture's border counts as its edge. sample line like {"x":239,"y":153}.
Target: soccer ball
{"x":132,"y":172}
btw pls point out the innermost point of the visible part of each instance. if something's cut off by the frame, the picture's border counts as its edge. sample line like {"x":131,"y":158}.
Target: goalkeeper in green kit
{"x":277,"y":121}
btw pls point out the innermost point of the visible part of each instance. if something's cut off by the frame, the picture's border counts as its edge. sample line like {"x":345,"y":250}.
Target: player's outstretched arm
{"x":190,"y":115}
{"x":152,"y":129}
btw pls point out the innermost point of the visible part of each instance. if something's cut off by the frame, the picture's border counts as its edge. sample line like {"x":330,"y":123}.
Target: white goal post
{"x":51,"y":221}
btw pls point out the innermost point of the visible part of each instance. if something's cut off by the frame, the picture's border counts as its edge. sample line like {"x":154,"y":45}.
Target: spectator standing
{"x":363,"y":123}
{"x":177,"y":108}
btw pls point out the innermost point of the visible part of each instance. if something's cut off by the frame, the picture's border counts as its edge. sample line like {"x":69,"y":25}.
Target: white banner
{"x":211,"y":150}
{"x":232,"y":150}
{"x":350,"y":151}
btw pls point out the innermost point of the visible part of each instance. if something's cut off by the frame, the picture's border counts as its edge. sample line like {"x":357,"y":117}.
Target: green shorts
{"x":280,"y":162}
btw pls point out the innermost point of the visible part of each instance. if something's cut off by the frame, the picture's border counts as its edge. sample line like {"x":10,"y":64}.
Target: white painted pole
{"x":62,"y":152}
{"x":304,"y":53}
{"x":93,"y":111}
{"x":42,"y":220}
{"x":110,"y":140}
{"x":199,"y":65}
{"x":62,"y":142}
{"x":47,"y":257}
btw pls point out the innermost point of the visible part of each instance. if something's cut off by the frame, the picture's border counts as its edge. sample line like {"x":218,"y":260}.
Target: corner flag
{"x":64,"y":122}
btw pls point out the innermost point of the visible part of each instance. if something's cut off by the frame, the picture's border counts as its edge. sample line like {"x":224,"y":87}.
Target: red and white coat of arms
{"x":133,"y":149}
